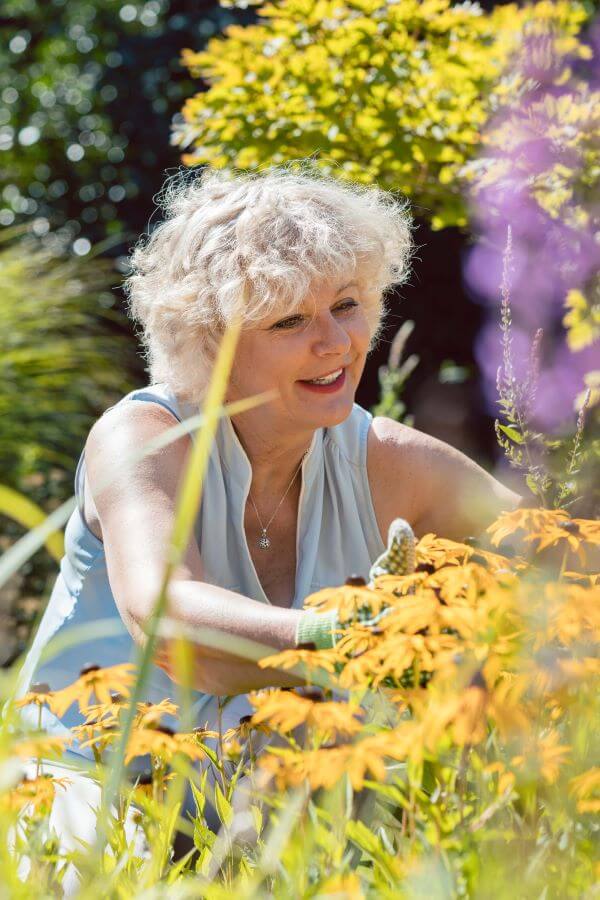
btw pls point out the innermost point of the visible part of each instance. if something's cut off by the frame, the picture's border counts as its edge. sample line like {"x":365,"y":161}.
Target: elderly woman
{"x":300,"y":491}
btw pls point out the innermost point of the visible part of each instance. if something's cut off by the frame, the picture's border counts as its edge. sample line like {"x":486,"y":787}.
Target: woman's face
{"x":328,"y":333}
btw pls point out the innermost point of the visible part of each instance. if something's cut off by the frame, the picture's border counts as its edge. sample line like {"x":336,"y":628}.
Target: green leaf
{"x":532,"y":485}
{"x":223,"y":806}
{"x":257,"y":817}
{"x":511,"y":432}
{"x":199,"y":793}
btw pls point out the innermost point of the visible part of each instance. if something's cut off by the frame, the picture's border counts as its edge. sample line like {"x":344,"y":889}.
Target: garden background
{"x":99,"y":100}
{"x":485,"y":116}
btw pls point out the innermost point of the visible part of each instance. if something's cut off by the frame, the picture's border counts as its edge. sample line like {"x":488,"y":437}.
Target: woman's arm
{"x":431,"y":484}
{"x":136,"y":513}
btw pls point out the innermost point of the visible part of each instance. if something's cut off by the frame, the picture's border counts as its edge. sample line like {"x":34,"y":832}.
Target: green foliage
{"x":394,"y":93}
{"x":560,"y":472}
{"x":65,"y":356}
{"x":393,"y":377}
{"x":87,"y":92}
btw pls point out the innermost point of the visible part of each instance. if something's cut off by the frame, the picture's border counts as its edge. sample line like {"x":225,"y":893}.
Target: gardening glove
{"x":321,"y":630}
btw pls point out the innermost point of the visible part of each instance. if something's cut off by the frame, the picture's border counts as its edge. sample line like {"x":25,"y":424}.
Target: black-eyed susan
{"x":34,"y":794}
{"x":163,"y":743}
{"x":151,"y":714}
{"x":247,"y":724}
{"x":434,"y":552}
{"x":38,"y":695}
{"x":547,"y":528}
{"x":40,"y":746}
{"x":325,"y":766}
{"x":97,"y":682}
{"x":312,"y":659}
{"x":283,"y":711}
{"x":586,"y":790}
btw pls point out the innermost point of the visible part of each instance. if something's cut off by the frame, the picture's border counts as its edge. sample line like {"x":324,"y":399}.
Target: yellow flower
{"x":39,"y":746}
{"x":548,"y":527}
{"x":38,"y":694}
{"x":348,"y":600}
{"x":106,"y":713}
{"x":394,"y":655}
{"x":586,"y":789}
{"x":469,"y":721}
{"x":232,"y":749}
{"x":341,"y":887}
{"x":325,"y":766}
{"x":143,"y":789}
{"x":37,"y":793}
{"x":433,"y":552}
{"x":543,"y":755}
{"x":551,"y":756}
{"x":94,"y":681}
{"x":164,"y":744}
{"x":506,"y":778}
{"x":312,"y":659}
{"x":243,"y":730}
{"x":285,"y":710}
{"x":150,"y":714}
{"x":95,"y":734}
{"x":573,"y":612}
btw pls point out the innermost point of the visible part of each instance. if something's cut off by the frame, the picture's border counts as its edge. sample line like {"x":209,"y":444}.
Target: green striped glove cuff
{"x":318,"y":629}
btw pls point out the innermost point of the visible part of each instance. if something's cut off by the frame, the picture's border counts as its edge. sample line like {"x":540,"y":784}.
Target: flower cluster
{"x":465,"y":714}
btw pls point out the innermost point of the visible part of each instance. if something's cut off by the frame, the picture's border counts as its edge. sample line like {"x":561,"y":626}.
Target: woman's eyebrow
{"x":346,"y":286}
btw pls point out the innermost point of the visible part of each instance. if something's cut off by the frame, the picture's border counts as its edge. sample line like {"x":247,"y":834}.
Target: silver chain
{"x":264,"y":543}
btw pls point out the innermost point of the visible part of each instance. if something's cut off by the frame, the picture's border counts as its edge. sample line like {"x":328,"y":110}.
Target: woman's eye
{"x":297,"y":320}
{"x":287,"y":323}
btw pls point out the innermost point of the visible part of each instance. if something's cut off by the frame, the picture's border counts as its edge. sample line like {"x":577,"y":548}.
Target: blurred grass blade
{"x":185,"y":515}
{"x":28,"y":514}
{"x":30,"y":543}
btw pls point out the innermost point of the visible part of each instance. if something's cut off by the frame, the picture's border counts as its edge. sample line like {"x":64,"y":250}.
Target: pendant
{"x":264,"y":543}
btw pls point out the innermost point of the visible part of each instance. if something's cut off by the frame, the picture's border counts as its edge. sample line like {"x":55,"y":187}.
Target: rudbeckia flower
{"x":284,"y":710}
{"x":37,"y":793}
{"x":94,"y":681}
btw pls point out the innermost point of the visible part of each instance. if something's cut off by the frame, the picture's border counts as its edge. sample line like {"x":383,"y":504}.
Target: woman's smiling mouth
{"x":326,"y":384}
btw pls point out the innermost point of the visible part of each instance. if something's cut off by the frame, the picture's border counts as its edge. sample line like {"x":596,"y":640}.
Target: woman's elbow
{"x":193,"y":669}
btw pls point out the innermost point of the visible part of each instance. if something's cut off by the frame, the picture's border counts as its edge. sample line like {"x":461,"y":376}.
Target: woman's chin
{"x":328,"y":411}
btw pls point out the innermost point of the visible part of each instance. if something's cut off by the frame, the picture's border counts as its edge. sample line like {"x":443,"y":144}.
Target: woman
{"x":300,"y":491}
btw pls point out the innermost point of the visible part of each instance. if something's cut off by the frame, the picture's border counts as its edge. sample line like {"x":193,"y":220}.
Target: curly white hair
{"x":255,"y":244}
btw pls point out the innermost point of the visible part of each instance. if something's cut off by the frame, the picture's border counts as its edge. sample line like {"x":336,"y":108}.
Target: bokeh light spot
{"x":81,"y":246}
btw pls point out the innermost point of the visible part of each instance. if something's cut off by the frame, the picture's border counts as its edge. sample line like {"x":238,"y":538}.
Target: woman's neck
{"x":275,"y":459}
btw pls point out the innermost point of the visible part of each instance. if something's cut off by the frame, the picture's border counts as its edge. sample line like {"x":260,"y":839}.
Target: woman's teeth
{"x":327,"y":379}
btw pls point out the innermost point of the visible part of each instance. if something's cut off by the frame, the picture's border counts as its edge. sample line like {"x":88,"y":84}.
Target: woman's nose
{"x":332,"y":338}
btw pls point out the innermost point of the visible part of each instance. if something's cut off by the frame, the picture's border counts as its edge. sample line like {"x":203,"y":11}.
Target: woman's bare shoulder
{"x":126,"y":424}
{"x":135,"y":495}
{"x":392,"y":468}
{"x":431,"y":484}
{"x":116,"y":440}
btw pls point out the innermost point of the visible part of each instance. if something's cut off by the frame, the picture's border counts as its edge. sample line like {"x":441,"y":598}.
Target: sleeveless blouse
{"x":337,"y":535}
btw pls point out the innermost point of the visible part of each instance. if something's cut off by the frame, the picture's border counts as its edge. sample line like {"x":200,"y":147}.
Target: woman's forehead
{"x":324,"y":291}
{"x":321,"y":293}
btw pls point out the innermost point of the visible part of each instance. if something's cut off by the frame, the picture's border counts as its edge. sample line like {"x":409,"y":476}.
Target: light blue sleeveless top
{"x":337,"y":535}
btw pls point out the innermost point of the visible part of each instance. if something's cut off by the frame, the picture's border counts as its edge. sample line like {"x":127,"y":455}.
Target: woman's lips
{"x":326,"y":388}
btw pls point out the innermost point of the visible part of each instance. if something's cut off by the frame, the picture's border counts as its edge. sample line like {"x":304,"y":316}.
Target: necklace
{"x":263,"y":542}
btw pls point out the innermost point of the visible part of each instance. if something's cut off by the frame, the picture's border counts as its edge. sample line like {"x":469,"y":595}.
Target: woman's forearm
{"x":201,"y":607}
